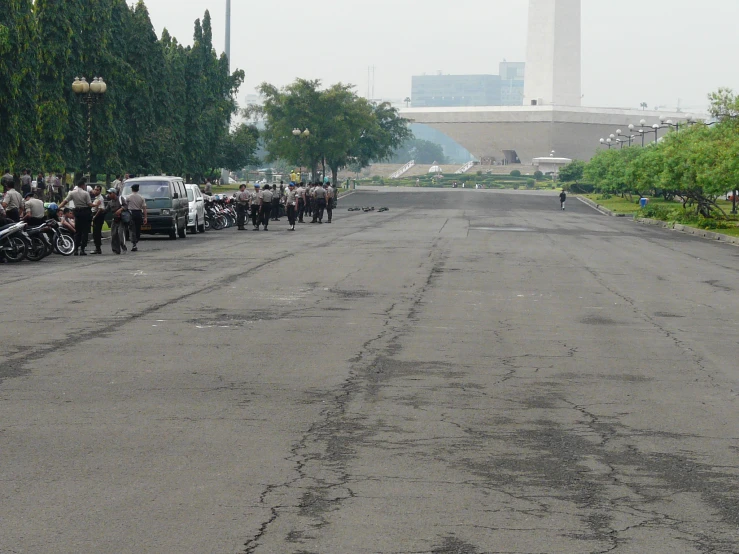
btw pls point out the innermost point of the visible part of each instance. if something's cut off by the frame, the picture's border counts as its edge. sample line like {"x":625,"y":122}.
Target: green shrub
{"x":530,"y":183}
{"x":515,"y":173}
{"x":376,"y":178}
{"x":654,"y":211}
{"x":538,"y":175}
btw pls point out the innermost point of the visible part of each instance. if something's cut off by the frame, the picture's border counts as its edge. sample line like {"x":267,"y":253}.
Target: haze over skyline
{"x":662,"y":52}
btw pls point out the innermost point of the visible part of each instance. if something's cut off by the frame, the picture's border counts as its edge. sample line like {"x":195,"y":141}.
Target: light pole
{"x":629,"y":138}
{"x":297,"y":133}
{"x":607,"y":142}
{"x":89,"y":93}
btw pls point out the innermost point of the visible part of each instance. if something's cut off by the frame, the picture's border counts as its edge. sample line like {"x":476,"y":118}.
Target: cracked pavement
{"x":471,"y":372}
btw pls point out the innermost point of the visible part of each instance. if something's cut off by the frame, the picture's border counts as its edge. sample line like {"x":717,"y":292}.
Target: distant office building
{"x":506,"y":89}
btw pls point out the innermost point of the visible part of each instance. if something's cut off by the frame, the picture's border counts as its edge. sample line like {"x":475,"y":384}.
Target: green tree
{"x":573,"y":172}
{"x":239,"y":148}
{"x":18,"y":83}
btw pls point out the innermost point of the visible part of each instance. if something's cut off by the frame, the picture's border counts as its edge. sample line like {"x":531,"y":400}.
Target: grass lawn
{"x":622,"y":205}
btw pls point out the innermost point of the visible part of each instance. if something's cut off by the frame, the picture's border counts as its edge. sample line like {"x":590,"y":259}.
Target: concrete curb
{"x":710,"y":235}
{"x":599,"y":208}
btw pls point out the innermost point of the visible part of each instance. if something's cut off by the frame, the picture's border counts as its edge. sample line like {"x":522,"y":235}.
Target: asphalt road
{"x":470,"y":372}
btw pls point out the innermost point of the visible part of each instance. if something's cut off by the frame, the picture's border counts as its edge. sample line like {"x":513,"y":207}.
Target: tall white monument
{"x":553,"y":58}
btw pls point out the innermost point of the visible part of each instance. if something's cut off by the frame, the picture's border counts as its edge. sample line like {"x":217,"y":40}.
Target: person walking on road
{"x":137,"y":207}
{"x":116,"y":206}
{"x":98,"y":218}
{"x":82,"y":216}
{"x":330,"y":196}
{"x":265,"y":203}
{"x":242,"y":204}
{"x":300,"y":195}
{"x":276,"y":197}
{"x":291,"y":205}
{"x":255,"y":207}
{"x":319,"y":196}
{"x":562,"y":199}
{"x":208,"y":187}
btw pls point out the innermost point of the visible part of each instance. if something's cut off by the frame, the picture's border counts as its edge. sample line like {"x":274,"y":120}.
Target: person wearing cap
{"x":254,"y":206}
{"x":265,"y":205}
{"x":116,"y":207}
{"x":242,"y":204}
{"x":34,"y":210}
{"x":82,"y":216}
{"x":137,"y":207}
{"x":291,"y":205}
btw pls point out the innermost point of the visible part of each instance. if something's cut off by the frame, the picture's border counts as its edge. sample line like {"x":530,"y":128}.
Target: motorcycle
{"x":13,"y":247}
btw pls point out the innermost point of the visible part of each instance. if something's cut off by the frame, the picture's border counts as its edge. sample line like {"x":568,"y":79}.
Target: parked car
{"x":166,"y":203}
{"x":730,"y":196}
{"x":196,"y":214}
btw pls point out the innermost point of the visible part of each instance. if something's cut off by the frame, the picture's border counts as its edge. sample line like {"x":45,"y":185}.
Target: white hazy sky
{"x":657,"y":51}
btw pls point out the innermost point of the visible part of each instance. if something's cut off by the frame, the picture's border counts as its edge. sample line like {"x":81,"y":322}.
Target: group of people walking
{"x":263,"y":204}
{"x":47,"y":188}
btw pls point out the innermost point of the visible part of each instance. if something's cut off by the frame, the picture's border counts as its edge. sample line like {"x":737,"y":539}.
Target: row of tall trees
{"x":167,"y":108}
{"x":697,"y":164}
{"x":344,"y":130}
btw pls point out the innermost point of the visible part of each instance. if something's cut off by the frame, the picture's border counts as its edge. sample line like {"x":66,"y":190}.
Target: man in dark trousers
{"x":562,"y":199}
{"x":242,"y":203}
{"x":319,"y":197}
{"x":266,"y":205}
{"x":137,"y":206}
{"x":82,"y":216}
{"x":98,"y":218}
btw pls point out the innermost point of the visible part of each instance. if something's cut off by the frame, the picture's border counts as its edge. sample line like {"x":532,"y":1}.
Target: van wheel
{"x":183,"y":231}
{"x":173,"y":231}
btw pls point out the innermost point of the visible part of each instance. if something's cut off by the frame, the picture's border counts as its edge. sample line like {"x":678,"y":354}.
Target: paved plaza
{"x":470,"y":372}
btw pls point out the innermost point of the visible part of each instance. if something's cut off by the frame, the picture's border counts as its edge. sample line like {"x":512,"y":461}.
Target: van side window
{"x":183,"y":192}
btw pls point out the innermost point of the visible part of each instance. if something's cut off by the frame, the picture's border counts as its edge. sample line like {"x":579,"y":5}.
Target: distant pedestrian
{"x":41,"y":187}
{"x":98,"y":218}
{"x":55,"y":187}
{"x":254,"y":203}
{"x":26,"y":182}
{"x":208,"y":187}
{"x":330,"y":200}
{"x":116,"y":206}
{"x":300,"y":193}
{"x":319,"y":196}
{"x":242,"y":204}
{"x":562,"y":199}
{"x":7,"y":179}
{"x":291,"y":205}
{"x":82,"y":216}
{"x":266,"y":205}
{"x":137,"y":206}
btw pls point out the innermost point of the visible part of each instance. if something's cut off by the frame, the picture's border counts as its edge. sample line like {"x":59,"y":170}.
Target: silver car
{"x":196,"y":216}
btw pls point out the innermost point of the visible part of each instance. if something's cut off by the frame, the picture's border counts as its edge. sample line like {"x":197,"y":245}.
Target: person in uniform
{"x":562,"y":199}
{"x":137,"y":207}
{"x":265,"y":205}
{"x":26,"y":181}
{"x":309,"y":199}
{"x":291,"y":205}
{"x":82,"y":216}
{"x":300,"y":195}
{"x":116,"y":206}
{"x":98,"y":218}
{"x":276,"y":197}
{"x":330,"y":193}
{"x":12,"y":201}
{"x":34,"y":211}
{"x":319,"y":197}
{"x":254,"y":203}
{"x":242,"y":204}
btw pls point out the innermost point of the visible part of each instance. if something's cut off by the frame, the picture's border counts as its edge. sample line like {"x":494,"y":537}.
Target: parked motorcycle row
{"x":19,"y":242}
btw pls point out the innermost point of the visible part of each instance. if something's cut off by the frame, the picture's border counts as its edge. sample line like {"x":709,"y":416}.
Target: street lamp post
{"x":628,"y":138}
{"x":89,"y":93}
{"x":297,"y":133}
{"x":607,"y":142}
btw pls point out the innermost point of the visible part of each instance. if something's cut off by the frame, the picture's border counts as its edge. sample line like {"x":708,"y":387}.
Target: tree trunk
{"x":335,"y":177}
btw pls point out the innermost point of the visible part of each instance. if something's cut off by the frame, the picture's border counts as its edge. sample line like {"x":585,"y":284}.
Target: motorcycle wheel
{"x":36,"y":249}
{"x":14,"y":249}
{"x":63,"y":244}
